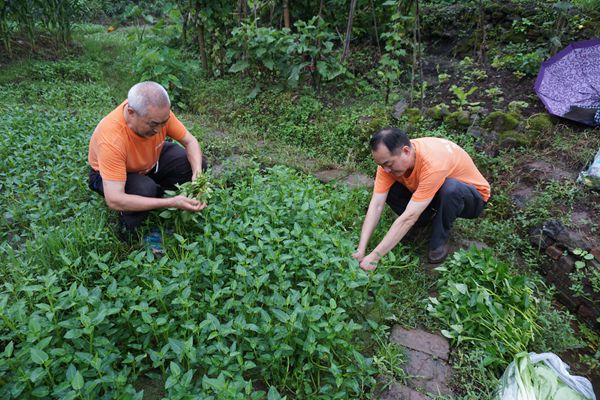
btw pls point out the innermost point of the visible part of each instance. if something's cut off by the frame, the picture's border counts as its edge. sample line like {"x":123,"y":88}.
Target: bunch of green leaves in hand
{"x":200,"y":188}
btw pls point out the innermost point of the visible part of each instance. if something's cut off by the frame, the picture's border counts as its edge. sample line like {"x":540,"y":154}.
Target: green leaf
{"x":281,"y":316}
{"x":77,"y":382}
{"x":175,"y":369}
{"x":38,"y":356}
{"x":239,"y":66}
{"x":273,"y":394}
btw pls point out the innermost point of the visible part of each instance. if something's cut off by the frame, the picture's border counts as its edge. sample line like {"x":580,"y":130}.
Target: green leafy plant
{"x":481,"y":303}
{"x":462,"y":97}
{"x":584,"y":270}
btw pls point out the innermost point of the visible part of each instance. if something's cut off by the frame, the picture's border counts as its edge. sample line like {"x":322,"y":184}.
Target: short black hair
{"x":392,"y":138}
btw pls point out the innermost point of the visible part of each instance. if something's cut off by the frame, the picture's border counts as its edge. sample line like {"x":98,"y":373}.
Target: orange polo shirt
{"x":436,"y":159}
{"x":116,"y":150}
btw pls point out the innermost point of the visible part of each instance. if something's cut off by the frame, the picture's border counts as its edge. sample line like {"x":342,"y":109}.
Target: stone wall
{"x":558,"y":242}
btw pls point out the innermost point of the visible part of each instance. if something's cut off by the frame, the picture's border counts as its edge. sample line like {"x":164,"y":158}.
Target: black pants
{"x":173,"y":168}
{"x":454,"y":199}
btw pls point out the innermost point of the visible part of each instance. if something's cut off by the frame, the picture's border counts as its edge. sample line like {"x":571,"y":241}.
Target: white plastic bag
{"x":542,"y":377}
{"x":591,"y":176}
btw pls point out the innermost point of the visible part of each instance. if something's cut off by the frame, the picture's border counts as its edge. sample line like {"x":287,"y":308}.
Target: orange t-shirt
{"x":436,"y":159}
{"x":116,"y":150}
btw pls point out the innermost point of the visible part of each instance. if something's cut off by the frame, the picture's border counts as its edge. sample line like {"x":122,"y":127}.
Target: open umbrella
{"x":569,"y":82}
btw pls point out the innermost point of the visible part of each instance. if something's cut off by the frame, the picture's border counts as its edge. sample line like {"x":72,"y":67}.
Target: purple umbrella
{"x":569,"y":82}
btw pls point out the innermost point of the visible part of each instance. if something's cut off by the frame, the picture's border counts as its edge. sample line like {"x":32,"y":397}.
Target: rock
{"x":458,"y":119}
{"x":554,"y":252}
{"x":538,"y":239}
{"x":427,"y":360}
{"x":428,"y":374}
{"x":329,"y":175}
{"x":542,"y":170}
{"x":512,"y":138}
{"x":422,"y":341}
{"x":588,"y":313}
{"x":523,"y":196}
{"x":553,"y":228}
{"x":413,"y":115}
{"x":399,"y":109}
{"x":595,"y":251}
{"x":539,"y":123}
{"x":476,"y":132}
{"x":401,"y":392}
{"x":359,"y":180}
{"x":438,"y":112}
{"x":508,"y":143}
{"x":500,"y":121}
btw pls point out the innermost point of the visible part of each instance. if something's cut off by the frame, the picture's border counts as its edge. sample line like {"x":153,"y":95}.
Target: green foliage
{"x":263,"y":289}
{"x":519,"y":60}
{"x":29,"y":18}
{"x":320,"y":127}
{"x":556,"y":331}
{"x":391,"y":64}
{"x":482,"y":304}
{"x":585,"y":270}
{"x":307,"y":54}
{"x":155,"y":59}
{"x":462,"y":97}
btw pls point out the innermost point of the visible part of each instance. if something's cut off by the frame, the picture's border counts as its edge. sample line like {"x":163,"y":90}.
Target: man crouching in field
{"x":132,"y":165}
{"x":425,"y":180}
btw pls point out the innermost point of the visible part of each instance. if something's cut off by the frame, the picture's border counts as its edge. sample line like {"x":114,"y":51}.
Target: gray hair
{"x":147,"y":94}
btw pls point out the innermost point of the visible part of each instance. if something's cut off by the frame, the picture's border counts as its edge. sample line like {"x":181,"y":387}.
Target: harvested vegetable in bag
{"x":591,"y":176}
{"x":542,"y":377}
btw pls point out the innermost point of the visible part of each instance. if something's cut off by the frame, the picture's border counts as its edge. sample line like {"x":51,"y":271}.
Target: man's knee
{"x":141,"y":186}
{"x":451,"y":188}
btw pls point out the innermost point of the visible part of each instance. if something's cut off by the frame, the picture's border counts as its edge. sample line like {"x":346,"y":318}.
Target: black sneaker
{"x":438,"y":254}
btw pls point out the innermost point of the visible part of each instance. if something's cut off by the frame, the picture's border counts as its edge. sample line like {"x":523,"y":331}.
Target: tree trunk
{"x":201,"y":38}
{"x":286,"y":14}
{"x":374,"y":26}
{"x":349,"y":31}
{"x":202,"y":48}
{"x":482,"y":32}
{"x":243,"y":11}
{"x":419,"y":54}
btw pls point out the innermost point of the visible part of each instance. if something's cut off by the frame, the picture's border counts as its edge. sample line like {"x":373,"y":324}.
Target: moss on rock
{"x":457,"y":119}
{"x":438,"y":112}
{"x":512,"y":136}
{"x":413,"y":115}
{"x":500,"y":121}
{"x":539,"y":123}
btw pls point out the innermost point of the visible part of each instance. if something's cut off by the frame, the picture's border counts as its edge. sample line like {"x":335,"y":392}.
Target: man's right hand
{"x":359,"y":255}
{"x":187,"y":204}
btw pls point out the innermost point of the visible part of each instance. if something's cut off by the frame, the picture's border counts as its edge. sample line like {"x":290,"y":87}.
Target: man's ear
{"x":130,"y":111}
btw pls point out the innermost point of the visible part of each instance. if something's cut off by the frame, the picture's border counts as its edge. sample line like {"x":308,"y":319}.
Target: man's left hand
{"x":369,"y":263}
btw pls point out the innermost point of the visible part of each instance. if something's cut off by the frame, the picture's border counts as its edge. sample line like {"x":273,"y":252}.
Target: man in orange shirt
{"x":132,"y":165}
{"x":425,"y":180}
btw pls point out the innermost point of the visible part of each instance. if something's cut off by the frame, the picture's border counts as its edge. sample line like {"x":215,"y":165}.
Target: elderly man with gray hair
{"x":132,"y":164}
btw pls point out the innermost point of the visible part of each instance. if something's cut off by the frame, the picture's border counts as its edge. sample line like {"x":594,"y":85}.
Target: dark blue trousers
{"x":173,"y":168}
{"x":453,"y":200}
